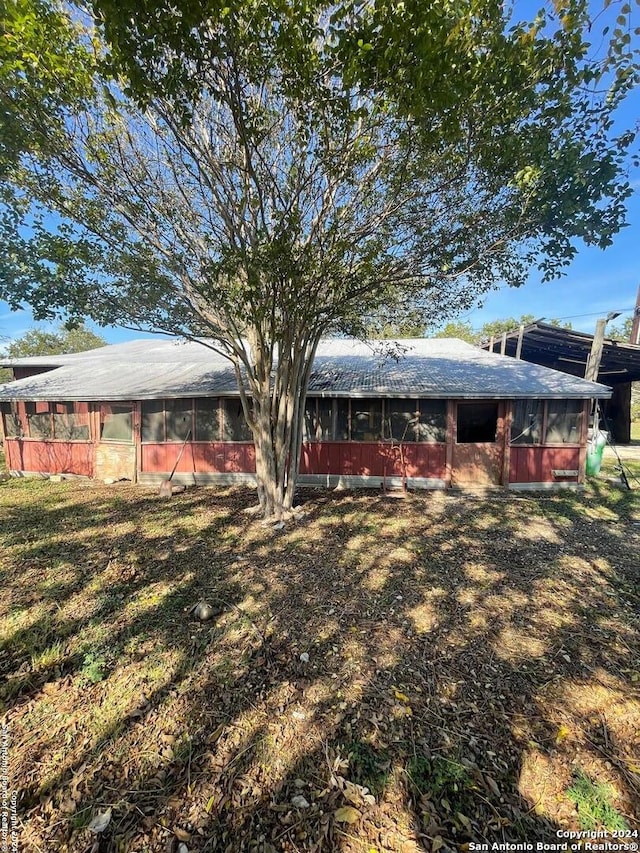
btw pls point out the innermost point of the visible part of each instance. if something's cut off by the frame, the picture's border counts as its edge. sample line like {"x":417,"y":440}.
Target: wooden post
{"x":595,"y":356}
{"x":519,"y":344}
{"x":503,"y":344}
{"x":506,"y":442}
{"x":634,"y":337}
{"x":491,"y":339}
{"x":451,"y":437}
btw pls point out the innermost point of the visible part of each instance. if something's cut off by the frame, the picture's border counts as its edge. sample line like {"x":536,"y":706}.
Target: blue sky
{"x":597,"y":282}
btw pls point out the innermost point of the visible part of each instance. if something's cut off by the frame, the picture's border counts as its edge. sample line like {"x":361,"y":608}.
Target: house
{"x":568,"y":351}
{"x":442,"y":414}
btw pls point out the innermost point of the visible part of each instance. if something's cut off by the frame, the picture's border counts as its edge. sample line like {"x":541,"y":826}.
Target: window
{"x":153,"y":420}
{"x":318,"y":419}
{"x":208,"y":419}
{"x":12,"y":423}
{"x":477,"y":423}
{"x":116,"y":423}
{"x":234,"y":426}
{"x":178,"y":419}
{"x":564,"y":420}
{"x":526,"y":427}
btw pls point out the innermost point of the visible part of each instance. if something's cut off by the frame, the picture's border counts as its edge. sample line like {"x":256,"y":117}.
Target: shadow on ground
{"x":382,"y":674}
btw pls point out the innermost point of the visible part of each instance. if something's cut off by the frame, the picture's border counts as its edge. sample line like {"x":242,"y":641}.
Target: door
{"x":478,"y":445}
{"x":116,"y":449}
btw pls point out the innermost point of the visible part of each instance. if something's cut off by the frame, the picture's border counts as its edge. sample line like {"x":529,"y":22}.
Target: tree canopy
{"x":263,"y":172}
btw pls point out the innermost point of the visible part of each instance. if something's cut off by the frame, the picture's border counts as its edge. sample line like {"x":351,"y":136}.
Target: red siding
{"x":422,"y":460}
{"x":536,"y":464}
{"x":372,"y":459}
{"x":51,"y":457}
{"x":199,"y":458}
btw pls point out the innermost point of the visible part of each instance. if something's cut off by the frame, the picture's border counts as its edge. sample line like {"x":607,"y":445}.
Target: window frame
{"x":544,"y":427}
{"x":24,"y":420}
{"x":120,"y":405}
{"x":342,"y":417}
{"x":192,"y":404}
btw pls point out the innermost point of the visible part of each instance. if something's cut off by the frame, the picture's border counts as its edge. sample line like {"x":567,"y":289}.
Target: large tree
{"x":264,"y":172}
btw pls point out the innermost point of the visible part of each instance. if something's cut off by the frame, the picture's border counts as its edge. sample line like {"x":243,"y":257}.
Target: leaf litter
{"x":365,"y":680}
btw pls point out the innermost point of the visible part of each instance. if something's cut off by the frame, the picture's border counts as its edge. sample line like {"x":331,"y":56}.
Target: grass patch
{"x":593,"y":801}
{"x":368,"y":766}
{"x":441,"y":778}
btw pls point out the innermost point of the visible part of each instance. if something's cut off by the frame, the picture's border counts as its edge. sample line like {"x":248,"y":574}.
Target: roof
{"x":423,"y":367}
{"x":568,"y":351}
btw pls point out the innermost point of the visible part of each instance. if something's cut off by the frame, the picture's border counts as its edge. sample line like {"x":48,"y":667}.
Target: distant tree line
{"x":40,"y":342}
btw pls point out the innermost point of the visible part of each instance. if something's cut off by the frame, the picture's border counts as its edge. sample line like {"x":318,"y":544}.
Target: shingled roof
{"x":422,"y":367}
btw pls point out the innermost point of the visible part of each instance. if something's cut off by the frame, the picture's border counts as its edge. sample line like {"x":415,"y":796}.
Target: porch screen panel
{"x":39,"y":420}
{"x":234,"y":426}
{"x":366,"y":420}
{"x":208,"y":419}
{"x":178,"y":419}
{"x":401,"y":419}
{"x":12,"y":423}
{"x":564,"y":419}
{"x":153,"y":420}
{"x":70,"y":422}
{"x":432,"y":423}
{"x":342,"y":422}
{"x":318,"y":419}
{"x":526,"y":426}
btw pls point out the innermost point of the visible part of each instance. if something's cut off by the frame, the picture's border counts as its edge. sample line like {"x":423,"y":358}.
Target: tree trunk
{"x":278,"y":391}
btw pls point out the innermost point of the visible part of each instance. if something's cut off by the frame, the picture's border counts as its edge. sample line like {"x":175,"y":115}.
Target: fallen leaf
{"x":182,"y":834}
{"x":100,"y":822}
{"x":437,"y":843}
{"x":401,"y":697}
{"x":347,"y":814}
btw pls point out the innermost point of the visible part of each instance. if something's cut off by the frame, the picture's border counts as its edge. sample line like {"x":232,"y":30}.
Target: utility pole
{"x":595,"y":356}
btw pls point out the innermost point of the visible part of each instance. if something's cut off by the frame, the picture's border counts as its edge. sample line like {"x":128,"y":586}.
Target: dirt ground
{"x":381,"y":674}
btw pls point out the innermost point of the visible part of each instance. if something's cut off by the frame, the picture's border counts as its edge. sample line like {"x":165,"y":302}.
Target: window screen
{"x":342,"y":420}
{"x":402,"y":418}
{"x":318,"y":416}
{"x":178,"y":419}
{"x":12,"y":424}
{"x":526,"y":427}
{"x":153,"y":420}
{"x":564,"y":418}
{"x":116,"y":423}
{"x":39,"y":420}
{"x":366,"y":420}
{"x":477,"y":423}
{"x":70,"y":422}
{"x":432,"y":423}
{"x":208,"y":420}
{"x":234,"y":426}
